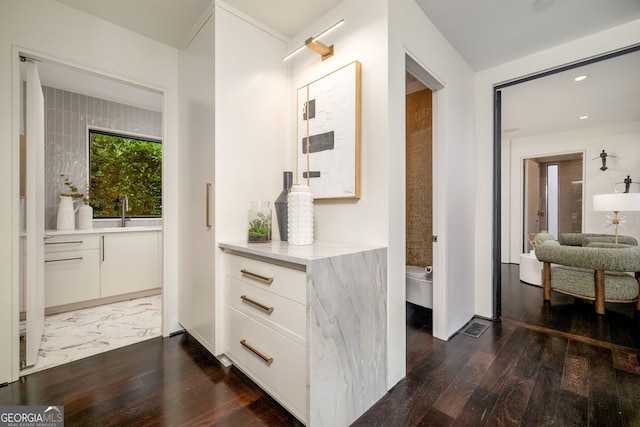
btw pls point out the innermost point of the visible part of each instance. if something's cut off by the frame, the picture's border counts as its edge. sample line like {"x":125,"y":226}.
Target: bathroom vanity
{"x":308,"y":324}
{"x":90,"y":267}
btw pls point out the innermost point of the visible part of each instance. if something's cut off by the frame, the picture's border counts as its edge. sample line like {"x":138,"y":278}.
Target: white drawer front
{"x":286,"y":316}
{"x":71,"y":243}
{"x":71,"y":276}
{"x":285,"y":376}
{"x":288,"y":282}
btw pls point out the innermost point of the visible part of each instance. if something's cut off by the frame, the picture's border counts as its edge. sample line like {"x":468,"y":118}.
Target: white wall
{"x":51,"y":30}
{"x":376,"y":33}
{"x":363,"y":37}
{"x":596,"y":44}
{"x":619,"y":140}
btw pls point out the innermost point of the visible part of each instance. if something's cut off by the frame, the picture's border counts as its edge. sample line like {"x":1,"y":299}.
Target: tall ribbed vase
{"x":281,"y":206}
{"x":66,"y":218}
{"x":300,"y":213}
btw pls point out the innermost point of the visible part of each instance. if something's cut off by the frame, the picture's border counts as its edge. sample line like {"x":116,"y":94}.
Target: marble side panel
{"x":347,"y":335}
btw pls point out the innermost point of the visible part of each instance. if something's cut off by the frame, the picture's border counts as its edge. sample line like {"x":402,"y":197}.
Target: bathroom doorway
{"x":419,"y":191}
{"x":421,"y":204}
{"x":79,"y":295}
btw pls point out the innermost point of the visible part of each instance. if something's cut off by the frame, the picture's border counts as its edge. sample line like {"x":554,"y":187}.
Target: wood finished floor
{"x":521,"y":371}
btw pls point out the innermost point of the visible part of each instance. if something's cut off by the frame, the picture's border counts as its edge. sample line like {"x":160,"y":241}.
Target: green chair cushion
{"x":578,"y":281}
{"x":583,"y":239}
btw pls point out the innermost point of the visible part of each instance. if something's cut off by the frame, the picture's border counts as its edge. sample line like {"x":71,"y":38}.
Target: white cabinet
{"x":129,"y":262}
{"x":72,"y":269}
{"x":97,"y":268}
{"x":196,"y":283}
{"x":308,"y":325}
{"x":266,"y":327}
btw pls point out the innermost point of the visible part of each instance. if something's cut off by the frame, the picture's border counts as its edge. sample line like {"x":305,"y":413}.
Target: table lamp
{"x":616,"y":202}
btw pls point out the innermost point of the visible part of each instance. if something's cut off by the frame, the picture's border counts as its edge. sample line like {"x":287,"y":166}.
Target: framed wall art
{"x":328,"y":134}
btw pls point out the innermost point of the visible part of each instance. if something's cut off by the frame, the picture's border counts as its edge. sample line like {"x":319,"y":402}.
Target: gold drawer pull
{"x":257,"y":304}
{"x":267,"y":360}
{"x":268,"y":280}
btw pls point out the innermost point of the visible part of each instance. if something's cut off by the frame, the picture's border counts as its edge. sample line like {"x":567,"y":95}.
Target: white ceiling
{"x":76,"y":80}
{"x":287,"y":17}
{"x":485,"y":33}
{"x":491,"y":32}
{"x":171,"y":21}
{"x":167,"y":21}
{"x":610,"y":95}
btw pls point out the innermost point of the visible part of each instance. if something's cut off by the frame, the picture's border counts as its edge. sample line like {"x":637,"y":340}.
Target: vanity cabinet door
{"x":129,"y":262}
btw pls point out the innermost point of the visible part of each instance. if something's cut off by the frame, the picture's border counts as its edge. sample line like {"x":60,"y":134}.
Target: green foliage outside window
{"x":122,"y":166}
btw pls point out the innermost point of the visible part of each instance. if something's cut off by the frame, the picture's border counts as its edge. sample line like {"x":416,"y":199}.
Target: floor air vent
{"x":475,"y":329}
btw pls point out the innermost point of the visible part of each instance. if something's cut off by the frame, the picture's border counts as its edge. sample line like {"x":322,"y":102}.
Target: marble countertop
{"x":303,"y":254}
{"x":101,"y":230}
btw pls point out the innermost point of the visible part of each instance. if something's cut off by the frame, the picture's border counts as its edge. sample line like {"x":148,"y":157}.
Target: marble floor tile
{"x":82,"y":333}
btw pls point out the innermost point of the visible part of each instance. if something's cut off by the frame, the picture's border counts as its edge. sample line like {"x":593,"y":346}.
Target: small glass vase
{"x":259,"y":222}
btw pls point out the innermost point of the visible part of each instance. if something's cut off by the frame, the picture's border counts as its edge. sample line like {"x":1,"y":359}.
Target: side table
{"x":530,"y":269}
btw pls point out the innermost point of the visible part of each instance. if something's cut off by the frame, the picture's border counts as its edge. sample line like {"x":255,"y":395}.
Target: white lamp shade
{"x":616,"y":202}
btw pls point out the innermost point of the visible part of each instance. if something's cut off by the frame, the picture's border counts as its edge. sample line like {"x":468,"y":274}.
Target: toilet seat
{"x":416,"y":272}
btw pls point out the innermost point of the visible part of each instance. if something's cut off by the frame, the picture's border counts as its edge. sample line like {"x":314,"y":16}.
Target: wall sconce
{"x":314,"y":44}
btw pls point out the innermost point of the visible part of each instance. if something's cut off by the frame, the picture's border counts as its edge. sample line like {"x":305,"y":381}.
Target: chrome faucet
{"x":125,"y":208}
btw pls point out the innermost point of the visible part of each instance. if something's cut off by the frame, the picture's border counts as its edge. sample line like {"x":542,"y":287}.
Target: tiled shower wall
{"x":67,"y":116}
{"x":419,"y":178}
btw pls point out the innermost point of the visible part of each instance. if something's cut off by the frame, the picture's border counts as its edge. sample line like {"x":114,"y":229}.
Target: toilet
{"x":419,"y":286}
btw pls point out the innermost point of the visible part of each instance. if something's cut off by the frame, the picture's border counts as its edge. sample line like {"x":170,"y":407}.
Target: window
{"x":123,"y":165}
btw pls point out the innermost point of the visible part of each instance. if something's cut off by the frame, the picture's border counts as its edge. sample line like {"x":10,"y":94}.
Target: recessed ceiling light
{"x":580,"y":78}
{"x":583,"y":117}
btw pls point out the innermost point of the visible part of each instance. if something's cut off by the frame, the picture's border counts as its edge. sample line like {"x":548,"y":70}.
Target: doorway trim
{"x":497,"y":152}
{"x":437,"y":87}
{"x":17,"y":51}
{"x":518,"y":241}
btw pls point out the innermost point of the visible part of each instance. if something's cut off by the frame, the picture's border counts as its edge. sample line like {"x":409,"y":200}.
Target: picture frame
{"x":331,"y":133}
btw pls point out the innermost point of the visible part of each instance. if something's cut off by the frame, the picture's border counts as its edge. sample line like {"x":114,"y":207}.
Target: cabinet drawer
{"x":71,"y":276}
{"x":285,"y":375}
{"x":286,"y":316}
{"x":71,"y":243}
{"x":288,"y":282}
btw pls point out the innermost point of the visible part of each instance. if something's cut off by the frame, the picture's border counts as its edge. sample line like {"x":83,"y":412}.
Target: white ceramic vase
{"x":85,"y":217}
{"x":300,"y":215}
{"x":66,"y":219}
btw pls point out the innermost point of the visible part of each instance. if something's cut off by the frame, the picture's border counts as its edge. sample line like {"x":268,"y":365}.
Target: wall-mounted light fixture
{"x":314,"y":44}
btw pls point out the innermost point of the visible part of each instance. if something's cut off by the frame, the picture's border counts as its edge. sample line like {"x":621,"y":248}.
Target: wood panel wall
{"x":419,"y":178}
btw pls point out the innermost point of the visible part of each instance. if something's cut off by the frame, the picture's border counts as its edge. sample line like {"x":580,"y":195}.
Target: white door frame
{"x":15,"y":200}
{"x":420,"y":72}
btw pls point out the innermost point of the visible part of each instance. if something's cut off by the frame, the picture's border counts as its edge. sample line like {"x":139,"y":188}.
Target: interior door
{"x":196,"y":293}
{"x":34,"y":272}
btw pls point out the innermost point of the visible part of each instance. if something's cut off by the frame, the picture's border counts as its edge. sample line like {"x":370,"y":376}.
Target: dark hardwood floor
{"x":553,"y":364}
